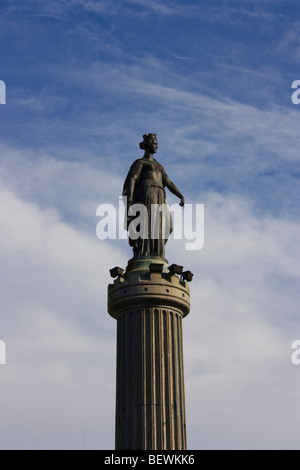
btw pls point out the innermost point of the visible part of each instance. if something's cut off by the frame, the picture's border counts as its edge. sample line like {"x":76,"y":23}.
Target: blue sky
{"x":85,"y":80}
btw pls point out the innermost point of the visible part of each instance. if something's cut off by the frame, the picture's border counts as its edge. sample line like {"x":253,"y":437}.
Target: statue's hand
{"x":182,"y":202}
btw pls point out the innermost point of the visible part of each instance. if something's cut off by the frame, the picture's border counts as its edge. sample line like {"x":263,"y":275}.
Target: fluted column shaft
{"x":150,"y":411}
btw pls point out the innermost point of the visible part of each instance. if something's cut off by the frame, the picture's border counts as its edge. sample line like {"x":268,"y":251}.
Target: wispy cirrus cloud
{"x":290,"y":42}
{"x":232,"y":144}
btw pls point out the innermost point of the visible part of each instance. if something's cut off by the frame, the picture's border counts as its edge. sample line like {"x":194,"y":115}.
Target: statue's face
{"x":153,"y":146}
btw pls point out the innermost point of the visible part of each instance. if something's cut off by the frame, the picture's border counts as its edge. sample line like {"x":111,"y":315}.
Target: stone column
{"x":150,"y":401}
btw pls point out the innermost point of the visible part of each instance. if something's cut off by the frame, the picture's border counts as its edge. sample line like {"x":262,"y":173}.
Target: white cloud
{"x":75,"y":188}
{"x":60,"y":340}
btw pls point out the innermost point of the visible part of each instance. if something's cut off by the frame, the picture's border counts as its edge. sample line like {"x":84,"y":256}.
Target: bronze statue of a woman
{"x":145,"y":185}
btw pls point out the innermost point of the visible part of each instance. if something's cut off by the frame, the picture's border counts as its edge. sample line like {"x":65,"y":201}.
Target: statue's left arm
{"x":173,"y":188}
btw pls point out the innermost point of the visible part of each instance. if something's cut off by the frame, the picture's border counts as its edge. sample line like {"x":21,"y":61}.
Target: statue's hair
{"x":147,"y":139}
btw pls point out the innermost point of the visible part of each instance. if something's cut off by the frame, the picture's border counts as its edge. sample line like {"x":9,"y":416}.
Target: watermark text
{"x":296,"y":353}
{"x":2,"y":353}
{"x":2,"y":92}
{"x":152,"y":223}
{"x":296,"y":95}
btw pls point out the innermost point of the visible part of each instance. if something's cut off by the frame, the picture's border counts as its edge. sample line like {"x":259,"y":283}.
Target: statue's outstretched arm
{"x":173,"y":188}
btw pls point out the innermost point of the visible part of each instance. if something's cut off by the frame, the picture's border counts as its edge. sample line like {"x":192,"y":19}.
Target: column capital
{"x":138,"y":289}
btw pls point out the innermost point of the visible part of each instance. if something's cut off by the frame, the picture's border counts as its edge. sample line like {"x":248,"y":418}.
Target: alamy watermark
{"x":296,"y":354}
{"x":2,"y":353}
{"x":152,"y":223}
{"x":2,"y":92}
{"x":296,"y":95}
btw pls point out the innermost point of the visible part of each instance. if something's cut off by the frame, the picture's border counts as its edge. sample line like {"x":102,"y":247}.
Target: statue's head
{"x":149,"y":143}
